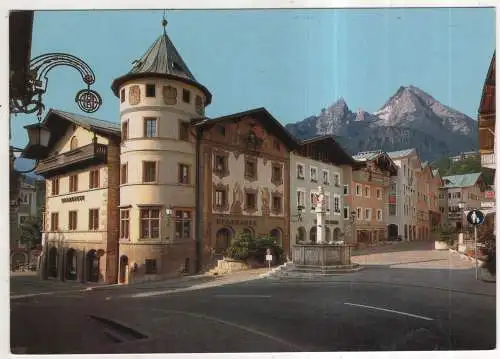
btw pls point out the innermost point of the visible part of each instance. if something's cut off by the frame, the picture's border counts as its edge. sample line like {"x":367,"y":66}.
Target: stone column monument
{"x":322,"y":258}
{"x":320,"y":217}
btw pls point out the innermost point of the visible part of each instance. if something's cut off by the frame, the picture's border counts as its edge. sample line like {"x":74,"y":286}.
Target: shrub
{"x":242,"y":247}
{"x":245,"y":247}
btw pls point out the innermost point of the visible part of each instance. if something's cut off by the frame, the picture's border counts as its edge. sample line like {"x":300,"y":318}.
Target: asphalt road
{"x":264,"y":315}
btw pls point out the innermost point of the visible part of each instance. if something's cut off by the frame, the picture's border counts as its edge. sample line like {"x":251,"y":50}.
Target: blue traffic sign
{"x":475,"y":217}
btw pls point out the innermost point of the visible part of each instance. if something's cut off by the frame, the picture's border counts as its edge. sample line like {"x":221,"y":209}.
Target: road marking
{"x":389,"y":310}
{"x":234,"y":325}
{"x":242,"y":296}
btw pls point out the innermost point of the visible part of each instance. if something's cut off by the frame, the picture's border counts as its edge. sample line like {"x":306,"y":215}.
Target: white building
{"x":317,"y":163}
{"x":403,"y":195}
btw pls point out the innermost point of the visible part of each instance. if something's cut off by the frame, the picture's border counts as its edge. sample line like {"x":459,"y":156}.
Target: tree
{"x":471,"y":164}
{"x":31,"y":232}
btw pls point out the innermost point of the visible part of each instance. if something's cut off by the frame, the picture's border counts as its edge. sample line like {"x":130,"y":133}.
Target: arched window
{"x":312,"y":235}
{"x":74,"y":143}
{"x":301,"y":235}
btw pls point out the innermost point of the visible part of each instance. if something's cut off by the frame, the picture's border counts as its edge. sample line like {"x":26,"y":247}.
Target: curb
{"x":216,"y":281}
{"x":466,"y":257}
{"x":213,"y":284}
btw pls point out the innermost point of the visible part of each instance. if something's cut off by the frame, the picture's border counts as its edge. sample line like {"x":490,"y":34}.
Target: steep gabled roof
{"x":267,"y":121}
{"x":90,"y":123}
{"x":58,"y":122}
{"x":336,"y":154}
{"x":381,"y":158}
{"x":461,"y":181}
{"x":164,"y":61}
{"x":487,"y":103}
{"x":401,"y":153}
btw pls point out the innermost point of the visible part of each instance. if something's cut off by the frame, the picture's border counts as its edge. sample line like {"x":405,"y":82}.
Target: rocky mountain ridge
{"x":410,"y":118}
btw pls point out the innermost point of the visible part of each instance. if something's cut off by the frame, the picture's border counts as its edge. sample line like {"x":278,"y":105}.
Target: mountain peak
{"x":410,"y":118}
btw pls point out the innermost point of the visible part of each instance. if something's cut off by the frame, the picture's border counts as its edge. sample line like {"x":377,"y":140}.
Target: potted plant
{"x":445,"y":238}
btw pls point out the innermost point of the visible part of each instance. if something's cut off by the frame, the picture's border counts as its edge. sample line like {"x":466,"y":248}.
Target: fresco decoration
{"x":134,"y":95}
{"x":264,"y":192}
{"x":169,"y":95}
{"x":236,"y":206}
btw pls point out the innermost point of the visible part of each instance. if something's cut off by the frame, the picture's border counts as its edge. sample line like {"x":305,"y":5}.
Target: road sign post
{"x":269,"y":258}
{"x":475,"y":248}
{"x":475,"y":217}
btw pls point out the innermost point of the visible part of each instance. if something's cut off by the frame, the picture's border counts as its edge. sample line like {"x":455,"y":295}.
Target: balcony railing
{"x":91,"y":154}
{"x":364,"y":177}
{"x":488,"y":159}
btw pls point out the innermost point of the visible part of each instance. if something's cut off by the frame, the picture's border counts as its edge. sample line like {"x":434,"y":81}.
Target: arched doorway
{"x":222,"y":241}
{"x":18,"y":259}
{"x":52,"y":272}
{"x":301,"y":235}
{"x":92,"y":266}
{"x":312,"y":234}
{"x":336,"y":234}
{"x":123,"y":269}
{"x":392,"y":231}
{"x":71,"y":264}
{"x":328,"y":234}
{"x":276,"y":234}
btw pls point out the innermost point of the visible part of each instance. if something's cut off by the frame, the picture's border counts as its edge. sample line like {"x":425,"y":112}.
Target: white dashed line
{"x":242,"y":296}
{"x":389,"y":310}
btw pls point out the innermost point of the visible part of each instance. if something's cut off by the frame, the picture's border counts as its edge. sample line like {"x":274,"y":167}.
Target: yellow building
{"x":81,"y":175}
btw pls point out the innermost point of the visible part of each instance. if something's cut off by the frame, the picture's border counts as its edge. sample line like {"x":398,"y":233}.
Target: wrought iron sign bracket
{"x":36,"y":84}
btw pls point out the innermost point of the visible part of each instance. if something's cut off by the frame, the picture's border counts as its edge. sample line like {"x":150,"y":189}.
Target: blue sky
{"x":293,"y":62}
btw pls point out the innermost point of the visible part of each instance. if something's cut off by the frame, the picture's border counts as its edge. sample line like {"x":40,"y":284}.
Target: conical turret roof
{"x":161,"y":60}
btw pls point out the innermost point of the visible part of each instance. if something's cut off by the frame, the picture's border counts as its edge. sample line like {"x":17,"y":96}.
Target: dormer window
{"x":150,"y":90}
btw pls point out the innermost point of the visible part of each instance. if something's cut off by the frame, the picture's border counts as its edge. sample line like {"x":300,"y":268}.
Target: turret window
{"x":150,"y":129}
{"x":186,"y":96}
{"x":183,"y":131}
{"x":150,"y":90}
{"x":148,"y":171}
{"x":125,"y":130}
{"x":122,"y":95}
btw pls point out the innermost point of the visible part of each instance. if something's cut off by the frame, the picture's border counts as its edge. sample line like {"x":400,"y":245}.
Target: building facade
{"x":317,"y":162}
{"x":367,"y":195}
{"x":463,"y":192}
{"x":82,"y":196}
{"x":158,"y":98}
{"x":404,"y":193}
{"x":243,"y":164}
{"x":28,"y":207}
{"x":486,"y":120}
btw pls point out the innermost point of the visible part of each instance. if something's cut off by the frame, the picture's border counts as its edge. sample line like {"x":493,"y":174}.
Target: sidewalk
{"x":30,"y":285}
